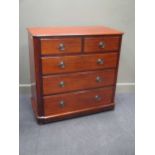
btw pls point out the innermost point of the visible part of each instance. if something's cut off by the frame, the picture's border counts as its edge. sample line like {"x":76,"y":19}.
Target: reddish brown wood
{"x":50,"y":65}
{"x":35,"y":75}
{"x":51,"y":45}
{"x":38,"y":75}
{"x":77,"y":113}
{"x":116,"y":70}
{"x":32,"y":71}
{"x":77,"y":100}
{"x":78,"y":81}
{"x":111,"y":43}
{"x":73,"y":31}
{"x":78,"y":73}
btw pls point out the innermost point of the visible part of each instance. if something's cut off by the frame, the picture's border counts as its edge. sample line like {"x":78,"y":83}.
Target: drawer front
{"x":101,"y":44}
{"x":52,"y":65}
{"x":60,"y":45}
{"x":63,"y":103}
{"x":77,"y":81}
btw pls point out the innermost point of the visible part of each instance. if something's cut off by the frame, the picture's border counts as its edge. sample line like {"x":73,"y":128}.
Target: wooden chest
{"x":73,"y":70}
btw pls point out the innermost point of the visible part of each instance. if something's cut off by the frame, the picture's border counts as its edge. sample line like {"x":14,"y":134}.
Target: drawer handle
{"x":98,"y":98}
{"x":62,"y":84}
{"x":99,"y":79}
{"x":61,"y":47}
{"x":100,"y":61}
{"x":101,"y":44}
{"x":61,"y":64}
{"x":62,"y":103}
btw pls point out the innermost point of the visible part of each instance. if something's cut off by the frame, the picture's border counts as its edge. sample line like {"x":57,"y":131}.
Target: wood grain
{"x":72,"y":31}
{"x":77,"y":100}
{"x":77,"y":81}
{"x":50,"y":65}
{"x":111,"y":43}
{"x":35,"y":75}
{"x":51,"y":45}
{"x":77,"y":64}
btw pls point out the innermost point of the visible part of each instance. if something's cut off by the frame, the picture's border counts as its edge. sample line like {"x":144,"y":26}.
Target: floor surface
{"x":106,"y":133}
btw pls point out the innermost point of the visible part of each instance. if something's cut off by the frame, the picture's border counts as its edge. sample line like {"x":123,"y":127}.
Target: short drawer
{"x":72,"y":102}
{"x":65,"y":64}
{"x":60,"y":45}
{"x":77,"y":81}
{"x":101,"y":44}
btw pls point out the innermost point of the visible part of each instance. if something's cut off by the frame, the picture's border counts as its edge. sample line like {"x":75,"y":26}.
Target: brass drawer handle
{"x":98,"y":98}
{"x":100,"y":61}
{"x":99,"y":79}
{"x":61,"y":64}
{"x":61,"y":47}
{"x":101,"y":44}
{"x":62,"y":84}
{"x":62,"y":103}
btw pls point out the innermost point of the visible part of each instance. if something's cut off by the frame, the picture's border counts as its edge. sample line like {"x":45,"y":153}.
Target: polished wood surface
{"x":73,"y":70}
{"x":75,"y":113}
{"x":77,"y":100}
{"x":77,"y":81}
{"x":35,"y":74}
{"x":53,"y":45}
{"x":110,"y":43}
{"x":32,"y":73}
{"x":51,"y":65}
{"x":72,"y":31}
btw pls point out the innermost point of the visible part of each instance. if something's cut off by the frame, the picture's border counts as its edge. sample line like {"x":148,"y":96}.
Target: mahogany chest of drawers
{"x":73,"y":70}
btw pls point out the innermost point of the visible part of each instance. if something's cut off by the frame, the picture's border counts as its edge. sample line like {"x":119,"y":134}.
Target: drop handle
{"x":101,"y":44}
{"x":100,"y":61}
{"x":61,"y":47}
{"x":99,"y":79}
{"x":98,"y":98}
{"x":62,"y":103}
{"x":61,"y":64}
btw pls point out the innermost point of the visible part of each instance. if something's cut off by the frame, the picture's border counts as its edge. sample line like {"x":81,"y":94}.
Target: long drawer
{"x":70,"y":102}
{"x":77,"y":81}
{"x":65,"y":64}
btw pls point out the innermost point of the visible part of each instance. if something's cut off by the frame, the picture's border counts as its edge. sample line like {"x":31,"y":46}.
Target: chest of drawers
{"x":73,"y":70}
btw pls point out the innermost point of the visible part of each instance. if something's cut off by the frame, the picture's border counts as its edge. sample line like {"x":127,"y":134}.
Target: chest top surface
{"x":73,"y":70}
{"x":75,"y":31}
